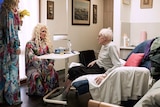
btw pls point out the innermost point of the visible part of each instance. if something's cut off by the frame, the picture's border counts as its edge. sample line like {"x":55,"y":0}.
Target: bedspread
{"x":121,"y":84}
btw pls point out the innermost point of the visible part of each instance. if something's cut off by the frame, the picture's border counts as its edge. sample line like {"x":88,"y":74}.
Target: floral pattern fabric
{"x":9,"y":66}
{"x":40,"y":78}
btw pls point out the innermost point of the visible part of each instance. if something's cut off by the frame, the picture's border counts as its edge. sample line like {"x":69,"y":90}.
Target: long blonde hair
{"x":37,"y":39}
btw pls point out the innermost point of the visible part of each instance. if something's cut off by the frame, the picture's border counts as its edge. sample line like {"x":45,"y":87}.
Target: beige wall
{"x":134,"y":20}
{"x":126,"y":18}
{"x":152,"y":29}
{"x":83,"y":37}
{"x":108,"y":13}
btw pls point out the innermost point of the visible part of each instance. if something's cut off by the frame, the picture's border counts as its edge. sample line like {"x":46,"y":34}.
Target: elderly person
{"x":108,"y":59}
{"x":41,"y":75}
{"x":9,"y":53}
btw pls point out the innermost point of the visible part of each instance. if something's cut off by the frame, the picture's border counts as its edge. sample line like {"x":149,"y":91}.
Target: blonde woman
{"x":41,"y":75}
{"x":9,"y":53}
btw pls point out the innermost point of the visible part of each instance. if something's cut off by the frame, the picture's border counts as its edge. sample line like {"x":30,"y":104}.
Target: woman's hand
{"x":100,"y":78}
{"x":18,"y":51}
{"x":91,"y":64}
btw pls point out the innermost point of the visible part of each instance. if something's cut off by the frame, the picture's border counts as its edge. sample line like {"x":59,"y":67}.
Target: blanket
{"x":151,"y":98}
{"x":121,"y":84}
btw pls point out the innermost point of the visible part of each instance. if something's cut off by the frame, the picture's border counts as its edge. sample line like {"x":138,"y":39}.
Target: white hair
{"x":107,"y":32}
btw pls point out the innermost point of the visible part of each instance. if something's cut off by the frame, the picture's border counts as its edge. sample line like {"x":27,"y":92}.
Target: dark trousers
{"x":78,"y":71}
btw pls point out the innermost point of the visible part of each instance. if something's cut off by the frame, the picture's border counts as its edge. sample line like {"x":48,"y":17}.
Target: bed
{"x":122,"y":84}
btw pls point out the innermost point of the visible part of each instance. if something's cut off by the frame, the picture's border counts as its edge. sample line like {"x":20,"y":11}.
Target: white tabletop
{"x":58,"y":56}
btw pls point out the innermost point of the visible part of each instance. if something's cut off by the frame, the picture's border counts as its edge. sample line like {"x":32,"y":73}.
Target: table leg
{"x":66,"y":68}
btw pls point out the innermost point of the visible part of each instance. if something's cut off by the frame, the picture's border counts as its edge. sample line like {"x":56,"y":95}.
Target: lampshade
{"x":60,"y":37}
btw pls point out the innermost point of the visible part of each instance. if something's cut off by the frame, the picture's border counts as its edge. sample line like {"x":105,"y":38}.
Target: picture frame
{"x":127,"y":2}
{"x":94,"y":14}
{"x":146,"y":4}
{"x":50,"y":10}
{"x":80,"y":12}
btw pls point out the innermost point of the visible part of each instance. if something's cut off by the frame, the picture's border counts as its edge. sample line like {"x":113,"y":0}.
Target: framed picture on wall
{"x":94,"y":14}
{"x":80,"y":12}
{"x":146,"y":4}
{"x":127,"y":2}
{"x":50,"y":10}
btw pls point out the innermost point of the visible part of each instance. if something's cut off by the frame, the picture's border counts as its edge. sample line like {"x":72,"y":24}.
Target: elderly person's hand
{"x":100,"y":78}
{"x":91,"y":63}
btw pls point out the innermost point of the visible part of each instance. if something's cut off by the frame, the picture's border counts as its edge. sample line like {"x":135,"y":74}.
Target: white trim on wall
{"x":25,"y":33}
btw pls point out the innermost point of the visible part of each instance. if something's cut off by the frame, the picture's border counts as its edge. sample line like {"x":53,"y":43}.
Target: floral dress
{"x":40,"y":79}
{"x":9,"y":66}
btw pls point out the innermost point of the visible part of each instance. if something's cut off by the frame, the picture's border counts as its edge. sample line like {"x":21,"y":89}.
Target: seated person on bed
{"x":108,"y":60}
{"x":41,"y":75}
